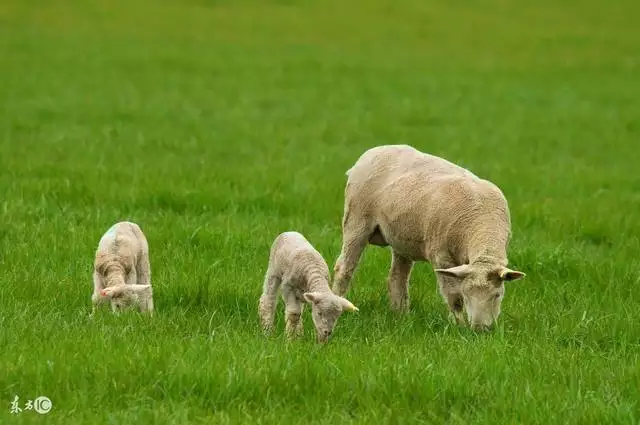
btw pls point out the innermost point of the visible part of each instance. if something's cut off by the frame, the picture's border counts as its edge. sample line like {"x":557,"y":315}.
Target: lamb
{"x":426,"y":208}
{"x":301,"y":272}
{"x":122,"y":273}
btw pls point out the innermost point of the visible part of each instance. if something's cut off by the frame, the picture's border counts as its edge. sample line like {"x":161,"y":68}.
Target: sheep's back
{"x":292,"y":253}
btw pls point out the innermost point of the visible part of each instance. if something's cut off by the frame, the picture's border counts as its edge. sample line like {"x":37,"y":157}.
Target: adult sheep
{"x":428,"y":209}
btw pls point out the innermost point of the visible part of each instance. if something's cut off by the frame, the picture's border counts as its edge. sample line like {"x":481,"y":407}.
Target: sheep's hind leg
{"x":398,"y":282}
{"x":268,"y":301}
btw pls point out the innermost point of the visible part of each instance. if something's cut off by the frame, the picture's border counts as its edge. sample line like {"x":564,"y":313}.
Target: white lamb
{"x":428,"y":209}
{"x":299,"y":270}
{"x":122,"y":273}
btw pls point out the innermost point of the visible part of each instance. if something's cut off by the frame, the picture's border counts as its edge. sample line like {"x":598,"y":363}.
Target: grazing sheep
{"x":122,"y":274}
{"x":428,"y":209}
{"x":299,"y":270}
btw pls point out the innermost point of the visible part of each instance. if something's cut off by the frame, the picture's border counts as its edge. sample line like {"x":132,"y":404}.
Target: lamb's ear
{"x":138,"y":288}
{"x":113,"y":291}
{"x":312,"y":297}
{"x":457,"y":271}
{"x":508,"y":275}
{"x":347,"y":305}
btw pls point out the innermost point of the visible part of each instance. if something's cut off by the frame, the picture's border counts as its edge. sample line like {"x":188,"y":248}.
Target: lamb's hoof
{"x":457,"y":319}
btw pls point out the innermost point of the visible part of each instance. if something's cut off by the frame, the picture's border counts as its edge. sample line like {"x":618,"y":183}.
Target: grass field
{"x":216,"y":125}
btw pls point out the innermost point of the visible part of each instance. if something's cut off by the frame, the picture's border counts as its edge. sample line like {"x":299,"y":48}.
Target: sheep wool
{"x":426,"y":208}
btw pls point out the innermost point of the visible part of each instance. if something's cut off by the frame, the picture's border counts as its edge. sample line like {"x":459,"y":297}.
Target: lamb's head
{"x":124,"y":296}
{"x":482,"y":288}
{"x":326,"y":308}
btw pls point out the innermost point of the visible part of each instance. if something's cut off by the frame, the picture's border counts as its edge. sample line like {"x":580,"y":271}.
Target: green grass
{"x":216,"y":125}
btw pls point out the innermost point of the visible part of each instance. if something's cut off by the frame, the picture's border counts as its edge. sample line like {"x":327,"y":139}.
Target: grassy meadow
{"x":216,"y":125}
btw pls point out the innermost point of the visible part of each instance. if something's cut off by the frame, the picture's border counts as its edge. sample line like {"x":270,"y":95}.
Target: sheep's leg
{"x":293,"y":312}
{"x":132,"y":277}
{"x":143,"y":270}
{"x":268,"y":301}
{"x":300,"y":329}
{"x":346,"y":264}
{"x":114,"y":308}
{"x":398,"y":282}
{"x":143,"y":277}
{"x":97,"y":288}
{"x":355,"y":237}
{"x":450,"y":291}
{"x":146,"y":304}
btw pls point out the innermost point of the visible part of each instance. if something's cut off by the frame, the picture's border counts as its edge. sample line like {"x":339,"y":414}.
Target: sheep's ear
{"x":508,"y":275}
{"x":138,"y":288}
{"x":347,"y":305}
{"x":312,"y":297}
{"x":113,"y":291}
{"x":457,"y":272}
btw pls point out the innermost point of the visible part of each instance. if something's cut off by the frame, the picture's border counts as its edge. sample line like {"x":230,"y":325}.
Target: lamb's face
{"x":126,"y":296}
{"x":482,"y":288}
{"x":326,"y":308}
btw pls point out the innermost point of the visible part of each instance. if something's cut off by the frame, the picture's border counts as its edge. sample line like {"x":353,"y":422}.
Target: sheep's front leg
{"x":398,"y":282}
{"x":95,"y":297}
{"x":355,"y":237}
{"x":115,"y":308}
{"x":132,"y":277}
{"x":268,"y":301}
{"x":450,"y":291}
{"x":293,"y":313}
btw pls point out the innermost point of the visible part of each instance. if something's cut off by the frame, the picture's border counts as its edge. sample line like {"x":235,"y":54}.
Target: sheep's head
{"x":123,"y":296}
{"x":326,"y":308}
{"x":482,"y":288}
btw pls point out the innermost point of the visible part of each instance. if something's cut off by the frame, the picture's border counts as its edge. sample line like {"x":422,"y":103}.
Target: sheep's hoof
{"x":457,"y":318}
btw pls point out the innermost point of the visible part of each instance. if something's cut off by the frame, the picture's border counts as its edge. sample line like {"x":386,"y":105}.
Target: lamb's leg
{"x":450,"y":291}
{"x":398,"y":282}
{"x":355,"y":236}
{"x":132,"y":277}
{"x":97,"y":288}
{"x":143,"y":277}
{"x":143,"y":270}
{"x":293,"y":313}
{"x":300,"y":328}
{"x":268,"y":301}
{"x":146,"y":304}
